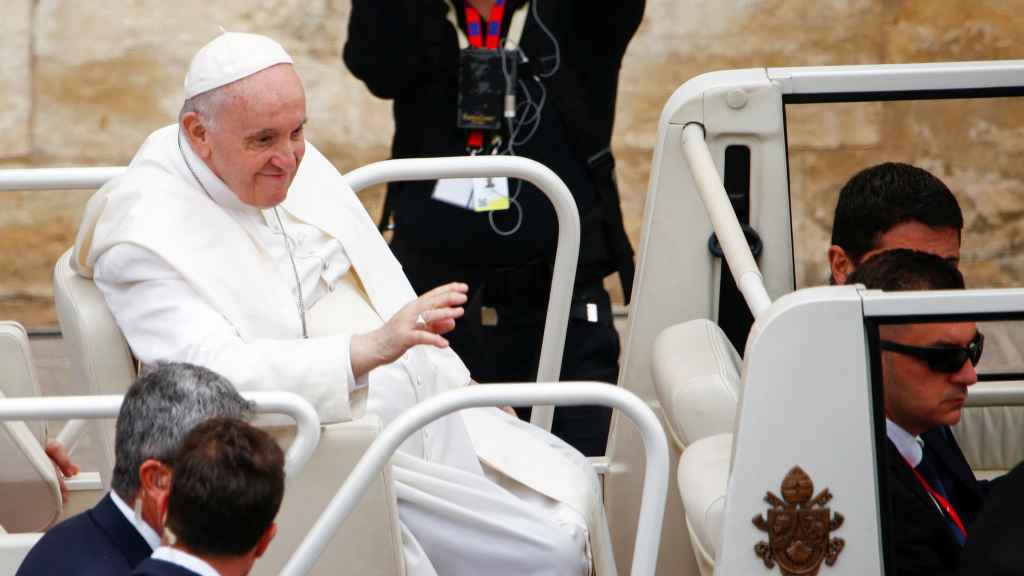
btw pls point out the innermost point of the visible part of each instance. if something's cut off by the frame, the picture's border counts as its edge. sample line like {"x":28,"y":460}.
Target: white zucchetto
{"x":230,"y":57}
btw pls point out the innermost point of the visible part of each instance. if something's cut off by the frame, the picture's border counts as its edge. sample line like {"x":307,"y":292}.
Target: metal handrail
{"x":77,"y":178}
{"x":724,"y":221}
{"x":307,"y":435}
{"x":378,"y":455}
{"x":566,"y":251}
{"x":984,"y":394}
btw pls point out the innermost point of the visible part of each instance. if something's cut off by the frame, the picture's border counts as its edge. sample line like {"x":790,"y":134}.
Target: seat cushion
{"x":703,"y":481}
{"x":696,"y":374}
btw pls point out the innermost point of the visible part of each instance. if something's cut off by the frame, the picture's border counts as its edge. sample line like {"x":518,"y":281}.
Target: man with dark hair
{"x":113,"y":537}
{"x":227,"y":488}
{"x":926,"y":370}
{"x":893,"y":205}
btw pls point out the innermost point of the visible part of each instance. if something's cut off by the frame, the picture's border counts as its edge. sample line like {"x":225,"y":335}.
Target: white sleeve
{"x":163,"y":318}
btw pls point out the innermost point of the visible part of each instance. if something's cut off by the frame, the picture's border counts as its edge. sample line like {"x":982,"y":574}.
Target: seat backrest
{"x":29,"y":487}
{"x":101,"y":362}
{"x":370,"y":540}
{"x":696,"y":373}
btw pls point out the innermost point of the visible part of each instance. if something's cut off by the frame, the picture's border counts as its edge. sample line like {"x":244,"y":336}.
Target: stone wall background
{"x":83,"y":83}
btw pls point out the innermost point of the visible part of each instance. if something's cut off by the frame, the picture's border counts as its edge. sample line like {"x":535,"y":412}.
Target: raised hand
{"x":420,"y":322}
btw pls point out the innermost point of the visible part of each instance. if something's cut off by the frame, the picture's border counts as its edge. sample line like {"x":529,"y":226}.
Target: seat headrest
{"x":696,"y":374}
{"x":83,"y":239}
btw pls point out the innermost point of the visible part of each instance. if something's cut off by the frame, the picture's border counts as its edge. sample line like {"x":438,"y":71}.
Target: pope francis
{"x":232,"y":243}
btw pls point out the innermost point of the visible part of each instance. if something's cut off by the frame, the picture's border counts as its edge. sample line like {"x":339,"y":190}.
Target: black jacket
{"x":921,"y":542}
{"x":153,"y":567}
{"x":406,"y":51}
{"x":99,"y":541}
{"x":994,"y":544}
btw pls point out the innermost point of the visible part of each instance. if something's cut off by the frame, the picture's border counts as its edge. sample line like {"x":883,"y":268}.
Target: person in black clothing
{"x":994,"y":548}
{"x":926,"y":372}
{"x":567,"y":67}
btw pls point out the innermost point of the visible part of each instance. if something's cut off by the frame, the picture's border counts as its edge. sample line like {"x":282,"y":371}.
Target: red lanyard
{"x":475,"y":28}
{"x":940,"y":500}
{"x":475,"y":35}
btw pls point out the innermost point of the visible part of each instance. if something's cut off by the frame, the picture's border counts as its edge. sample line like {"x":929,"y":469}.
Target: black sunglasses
{"x":944,"y":359}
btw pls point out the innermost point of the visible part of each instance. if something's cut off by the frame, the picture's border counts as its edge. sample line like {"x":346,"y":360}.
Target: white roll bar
{"x":566,"y":251}
{"x":724,"y":221}
{"x":652,"y":504}
{"x":307,"y":435}
{"x":995,"y":394}
{"x":58,"y":178}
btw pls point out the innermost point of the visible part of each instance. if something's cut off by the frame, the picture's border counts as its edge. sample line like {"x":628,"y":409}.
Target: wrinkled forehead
{"x":265,"y":95}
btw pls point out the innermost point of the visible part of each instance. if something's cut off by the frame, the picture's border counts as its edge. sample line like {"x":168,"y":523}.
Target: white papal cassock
{"x":191,"y":274}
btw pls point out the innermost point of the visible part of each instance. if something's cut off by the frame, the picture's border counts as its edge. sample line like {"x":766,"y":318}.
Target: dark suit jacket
{"x":153,"y":567}
{"x":994,"y":547}
{"x":921,"y":542}
{"x":965,"y":491}
{"x":99,"y":542}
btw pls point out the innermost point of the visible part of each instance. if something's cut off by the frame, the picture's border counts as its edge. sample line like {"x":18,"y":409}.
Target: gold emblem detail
{"x":798,"y":528}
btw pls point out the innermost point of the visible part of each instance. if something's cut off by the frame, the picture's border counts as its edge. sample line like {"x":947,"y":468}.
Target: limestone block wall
{"x":83,"y":83}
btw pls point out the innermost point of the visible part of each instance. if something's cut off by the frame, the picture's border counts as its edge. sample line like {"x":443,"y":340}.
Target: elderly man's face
{"x":257,"y":142}
{"x":916,"y":396}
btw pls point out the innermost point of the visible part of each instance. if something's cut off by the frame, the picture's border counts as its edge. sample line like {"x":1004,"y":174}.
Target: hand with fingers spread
{"x":58,"y":454}
{"x":421,"y":321}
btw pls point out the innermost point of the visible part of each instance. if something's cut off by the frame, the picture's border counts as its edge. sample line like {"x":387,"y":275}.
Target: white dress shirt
{"x":910,"y":447}
{"x":185,"y":560}
{"x":144,"y":529}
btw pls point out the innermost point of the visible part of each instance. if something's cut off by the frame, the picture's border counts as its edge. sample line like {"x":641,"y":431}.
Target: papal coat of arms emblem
{"x":798,"y":528}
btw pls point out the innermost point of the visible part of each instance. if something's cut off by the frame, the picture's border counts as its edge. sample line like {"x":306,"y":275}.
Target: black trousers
{"x":499,"y":339}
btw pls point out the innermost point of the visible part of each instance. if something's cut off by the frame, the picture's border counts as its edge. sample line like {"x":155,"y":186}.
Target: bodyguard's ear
{"x":154,"y":490}
{"x":196,"y":133}
{"x":840,"y":264}
{"x":264,"y":541}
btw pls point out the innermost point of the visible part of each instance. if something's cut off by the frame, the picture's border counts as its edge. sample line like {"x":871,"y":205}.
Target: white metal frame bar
{"x":567,"y":248}
{"x":373,"y":461}
{"x":993,"y":394}
{"x":899,"y":77}
{"x":307,"y":435}
{"x":76,"y":178}
{"x":724,"y":221}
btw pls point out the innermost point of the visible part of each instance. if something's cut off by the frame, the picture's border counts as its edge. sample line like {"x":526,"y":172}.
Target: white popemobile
{"x":761,"y":433}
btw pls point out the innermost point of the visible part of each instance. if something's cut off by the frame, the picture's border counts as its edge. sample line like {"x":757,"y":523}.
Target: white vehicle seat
{"x":368,"y":543}
{"x":986,"y":436}
{"x":14,"y":548}
{"x":30,"y":498}
{"x":696,"y":373}
{"x":703,"y":478}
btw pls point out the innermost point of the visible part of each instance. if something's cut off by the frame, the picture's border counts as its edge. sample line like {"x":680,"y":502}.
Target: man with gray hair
{"x":231,"y":242}
{"x":159,"y":410}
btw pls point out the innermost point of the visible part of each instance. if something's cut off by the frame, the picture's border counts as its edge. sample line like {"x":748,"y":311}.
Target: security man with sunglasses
{"x":926,"y":372}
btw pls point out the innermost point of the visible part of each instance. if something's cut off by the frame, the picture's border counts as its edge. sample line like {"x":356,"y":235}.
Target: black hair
{"x":903,"y":269}
{"x":883,"y":196}
{"x":226,"y":488}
